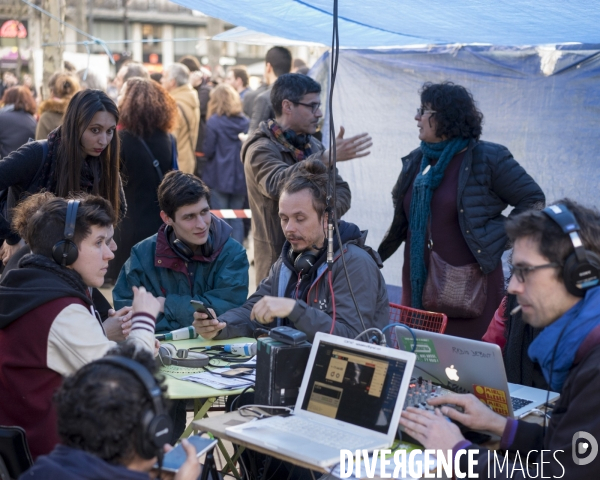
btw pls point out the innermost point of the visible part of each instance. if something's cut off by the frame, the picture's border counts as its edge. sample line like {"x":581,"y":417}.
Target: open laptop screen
{"x":354,"y":386}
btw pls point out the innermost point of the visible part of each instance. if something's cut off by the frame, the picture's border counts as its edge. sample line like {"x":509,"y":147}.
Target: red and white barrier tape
{"x":227,"y":213}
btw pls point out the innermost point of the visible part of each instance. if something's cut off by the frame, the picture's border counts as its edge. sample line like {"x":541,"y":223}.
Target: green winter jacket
{"x":220,"y":281}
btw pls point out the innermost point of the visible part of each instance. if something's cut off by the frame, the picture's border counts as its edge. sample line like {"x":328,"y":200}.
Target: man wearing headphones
{"x":192,"y":257}
{"x":300,"y":291}
{"x":274,"y":151}
{"x":112,"y":423}
{"x":556,"y":272}
{"x":48,"y":325}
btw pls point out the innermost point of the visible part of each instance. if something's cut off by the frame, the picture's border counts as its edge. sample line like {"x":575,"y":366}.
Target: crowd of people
{"x":119,"y":189}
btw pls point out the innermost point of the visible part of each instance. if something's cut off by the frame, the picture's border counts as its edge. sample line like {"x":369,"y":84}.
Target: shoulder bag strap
{"x":155,"y":163}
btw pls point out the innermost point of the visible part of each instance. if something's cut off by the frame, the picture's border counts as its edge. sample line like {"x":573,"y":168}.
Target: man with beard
{"x":300,"y":292}
{"x":277,"y":148}
{"x":555,"y":278}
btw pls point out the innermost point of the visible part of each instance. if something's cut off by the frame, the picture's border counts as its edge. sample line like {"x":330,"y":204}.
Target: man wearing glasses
{"x":556,"y":273}
{"x":274,"y":151}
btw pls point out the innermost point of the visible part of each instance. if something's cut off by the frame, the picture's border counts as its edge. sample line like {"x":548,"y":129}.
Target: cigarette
{"x":515,"y":310}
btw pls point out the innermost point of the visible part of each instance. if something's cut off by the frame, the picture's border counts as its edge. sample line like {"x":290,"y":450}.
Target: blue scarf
{"x":420,"y":207}
{"x":577,"y":323}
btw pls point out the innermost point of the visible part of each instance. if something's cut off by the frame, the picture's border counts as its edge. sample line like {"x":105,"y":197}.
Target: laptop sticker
{"x":425,"y":349}
{"x":492,"y":397}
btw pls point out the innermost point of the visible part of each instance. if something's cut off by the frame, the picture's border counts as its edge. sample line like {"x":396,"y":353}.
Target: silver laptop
{"x":471,"y":366}
{"x":351,"y":397}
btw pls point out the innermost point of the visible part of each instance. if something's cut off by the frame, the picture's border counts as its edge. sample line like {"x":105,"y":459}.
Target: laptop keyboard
{"x":317,"y":433}
{"x":518,"y":403}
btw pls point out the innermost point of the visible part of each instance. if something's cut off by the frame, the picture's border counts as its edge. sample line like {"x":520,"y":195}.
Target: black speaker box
{"x":279,"y":371}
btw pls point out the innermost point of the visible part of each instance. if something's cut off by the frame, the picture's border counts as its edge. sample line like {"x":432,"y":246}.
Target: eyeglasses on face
{"x":313,"y":106}
{"x":422,"y":111}
{"x":522,"y":272}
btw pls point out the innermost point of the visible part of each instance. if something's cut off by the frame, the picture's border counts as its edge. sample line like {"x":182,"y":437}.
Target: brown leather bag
{"x":459,"y":292}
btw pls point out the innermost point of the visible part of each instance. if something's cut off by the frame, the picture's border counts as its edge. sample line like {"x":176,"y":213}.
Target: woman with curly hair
{"x":17,"y":123}
{"x":448,"y":205}
{"x":148,"y":152}
{"x":224,"y":173}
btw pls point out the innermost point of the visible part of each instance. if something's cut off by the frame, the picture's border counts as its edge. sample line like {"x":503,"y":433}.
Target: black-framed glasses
{"x":522,"y":272}
{"x":313,"y":106}
{"x":422,"y":111}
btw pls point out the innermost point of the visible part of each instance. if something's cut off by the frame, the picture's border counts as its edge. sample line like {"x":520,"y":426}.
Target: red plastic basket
{"x":419,"y":319}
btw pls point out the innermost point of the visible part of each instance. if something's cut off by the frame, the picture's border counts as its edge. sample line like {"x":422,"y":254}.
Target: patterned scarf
{"x":428,"y":179}
{"x":280,"y":136}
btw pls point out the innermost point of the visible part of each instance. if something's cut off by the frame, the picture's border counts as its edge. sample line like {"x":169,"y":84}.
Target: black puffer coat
{"x":489,"y":181}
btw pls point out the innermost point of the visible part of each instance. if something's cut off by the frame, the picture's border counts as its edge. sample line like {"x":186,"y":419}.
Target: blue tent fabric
{"x":371,"y":23}
{"x":539,"y":99}
{"x":543,"y":104}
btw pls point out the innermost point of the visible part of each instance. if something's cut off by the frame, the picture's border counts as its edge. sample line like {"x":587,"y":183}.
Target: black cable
{"x":275,"y":471}
{"x":221,"y":356}
{"x":267,"y":461}
{"x":332,"y":199}
{"x":245,"y":473}
{"x":291,"y":471}
{"x":362,"y":322}
{"x":236,"y":398}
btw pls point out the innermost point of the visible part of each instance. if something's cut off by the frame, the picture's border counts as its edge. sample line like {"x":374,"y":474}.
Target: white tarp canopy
{"x":251,"y":37}
{"x":542,"y":103}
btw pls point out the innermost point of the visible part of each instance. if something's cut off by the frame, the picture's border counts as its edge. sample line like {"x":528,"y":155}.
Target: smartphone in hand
{"x":174,"y":459}
{"x":201,"y":307}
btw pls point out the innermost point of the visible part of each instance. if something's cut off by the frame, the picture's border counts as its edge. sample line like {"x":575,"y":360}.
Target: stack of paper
{"x":214,"y":379}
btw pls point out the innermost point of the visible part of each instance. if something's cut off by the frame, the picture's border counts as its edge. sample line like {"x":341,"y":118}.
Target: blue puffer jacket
{"x":220,"y":281}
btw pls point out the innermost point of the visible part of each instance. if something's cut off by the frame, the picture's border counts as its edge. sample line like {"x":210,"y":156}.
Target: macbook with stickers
{"x":351,"y":397}
{"x":471,"y":366}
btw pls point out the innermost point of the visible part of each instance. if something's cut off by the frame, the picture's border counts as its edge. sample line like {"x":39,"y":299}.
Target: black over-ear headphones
{"x":183,"y":251}
{"x":65,"y":252}
{"x":303,"y":261}
{"x":582,"y":268}
{"x":157,"y":425}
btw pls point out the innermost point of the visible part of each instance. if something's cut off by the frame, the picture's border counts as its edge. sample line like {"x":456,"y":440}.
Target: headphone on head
{"x":156,"y":423}
{"x":65,"y":252}
{"x":183,"y":251}
{"x":170,"y":355}
{"x":581,"y":270}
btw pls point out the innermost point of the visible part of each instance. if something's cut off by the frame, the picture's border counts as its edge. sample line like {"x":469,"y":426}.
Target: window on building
{"x":189,"y":47}
{"x":150,"y":33}
{"x":110,"y":31}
